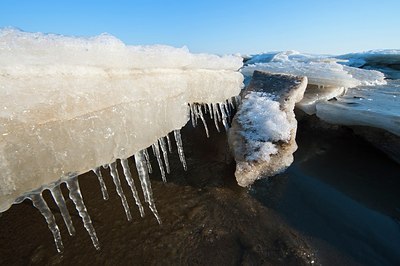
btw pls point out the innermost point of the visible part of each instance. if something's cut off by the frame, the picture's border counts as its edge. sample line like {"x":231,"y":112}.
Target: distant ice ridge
{"x":386,"y":61}
{"x":70,"y":105}
{"x":345,"y":89}
{"x":327,"y":78}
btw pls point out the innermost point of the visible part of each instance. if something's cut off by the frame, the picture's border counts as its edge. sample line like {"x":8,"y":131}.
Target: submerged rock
{"x":262,"y":137}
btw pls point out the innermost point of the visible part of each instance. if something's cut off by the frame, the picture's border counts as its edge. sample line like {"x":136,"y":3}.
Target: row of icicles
{"x":219,"y":112}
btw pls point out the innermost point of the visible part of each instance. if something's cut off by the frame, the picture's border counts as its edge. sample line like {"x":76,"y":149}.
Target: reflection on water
{"x":342,"y":194}
{"x":338,"y":200}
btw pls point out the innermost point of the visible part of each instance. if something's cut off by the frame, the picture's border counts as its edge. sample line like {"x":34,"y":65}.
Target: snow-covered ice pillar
{"x":69,"y":105}
{"x":263,"y":132}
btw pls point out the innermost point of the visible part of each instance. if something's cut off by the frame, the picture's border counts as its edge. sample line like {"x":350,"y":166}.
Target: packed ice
{"x":386,"y":61}
{"x":357,"y":89}
{"x":71,"y":105}
{"x":327,"y":77}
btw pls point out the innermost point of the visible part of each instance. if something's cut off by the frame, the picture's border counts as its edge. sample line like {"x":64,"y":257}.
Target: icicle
{"x":120,"y":192}
{"x":210,"y":110}
{"x":179,"y":144}
{"x":76,"y":196}
{"x":199,"y":111}
{"x":216,"y":116}
{"x":232,"y":103}
{"x":156,"y":151}
{"x":227,"y":109}
{"x":60,"y":201}
{"x":216,"y":112}
{"x":169,"y":144}
{"x":103,"y":187}
{"x":145,"y":183}
{"x":131,"y":183}
{"x":147,"y":157}
{"x":237,"y":100}
{"x":163,"y":146}
{"x":41,"y":205}
{"x":192,"y":115}
{"x":224,"y":116}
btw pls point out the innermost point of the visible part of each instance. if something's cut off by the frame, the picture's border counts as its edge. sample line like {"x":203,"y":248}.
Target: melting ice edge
{"x":219,"y":112}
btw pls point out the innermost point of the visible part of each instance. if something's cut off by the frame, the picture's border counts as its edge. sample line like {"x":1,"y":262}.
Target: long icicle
{"x":199,"y":111}
{"x":76,"y":196}
{"x":163,"y":146}
{"x":224,"y":116}
{"x":216,"y":111}
{"x":216,"y":116}
{"x":210,"y":110}
{"x":60,"y":201}
{"x":41,"y":205}
{"x":145,"y":183}
{"x":156,"y":151}
{"x":169,"y":144}
{"x":131,"y":183}
{"x":103,"y":187}
{"x":147,"y":157}
{"x":228,"y":109}
{"x":179,"y":144}
{"x":192,"y":115}
{"x":231,"y":103}
{"x":118,"y":187}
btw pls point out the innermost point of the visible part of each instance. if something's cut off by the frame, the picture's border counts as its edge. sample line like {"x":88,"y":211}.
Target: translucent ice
{"x":373,"y":106}
{"x":70,"y":105}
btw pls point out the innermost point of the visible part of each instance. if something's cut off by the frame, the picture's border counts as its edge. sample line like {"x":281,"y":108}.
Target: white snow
{"x":265,"y":123}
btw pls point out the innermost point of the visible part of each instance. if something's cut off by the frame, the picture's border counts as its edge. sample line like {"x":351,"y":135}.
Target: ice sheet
{"x":72,"y":104}
{"x":327,"y":76}
{"x":386,"y":61}
{"x":377,"y":106}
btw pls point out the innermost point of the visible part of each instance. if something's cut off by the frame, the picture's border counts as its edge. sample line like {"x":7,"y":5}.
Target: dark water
{"x":338,"y":204}
{"x":342,"y":194}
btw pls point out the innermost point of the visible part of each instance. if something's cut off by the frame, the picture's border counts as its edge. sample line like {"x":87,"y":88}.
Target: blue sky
{"x":219,"y":26}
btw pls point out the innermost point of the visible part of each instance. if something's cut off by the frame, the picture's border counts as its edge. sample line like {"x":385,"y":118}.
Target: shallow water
{"x":207,"y":220}
{"x":342,"y":194}
{"x":339,"y":200}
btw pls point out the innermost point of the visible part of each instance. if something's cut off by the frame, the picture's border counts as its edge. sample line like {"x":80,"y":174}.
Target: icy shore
{"x":345,"y":90}
{"x":71,"y":105}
